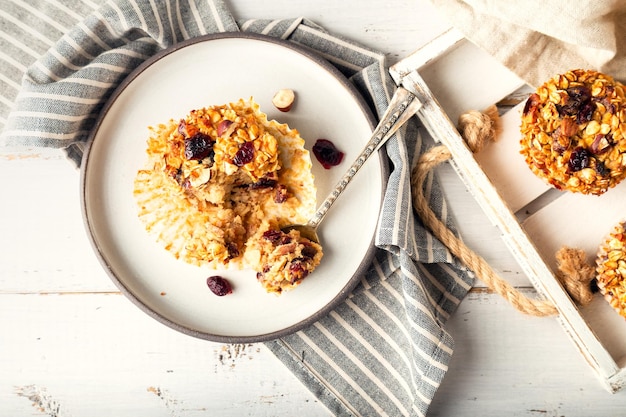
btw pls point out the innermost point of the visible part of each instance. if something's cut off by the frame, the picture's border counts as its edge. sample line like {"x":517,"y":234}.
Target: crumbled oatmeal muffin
{"x":574,"y":132}
{"x":220,"y":178}
{"x":611,"y":269}
{"x":285,"y":259}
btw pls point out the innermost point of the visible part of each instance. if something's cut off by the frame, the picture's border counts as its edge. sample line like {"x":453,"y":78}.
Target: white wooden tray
{"x":535,"y":220}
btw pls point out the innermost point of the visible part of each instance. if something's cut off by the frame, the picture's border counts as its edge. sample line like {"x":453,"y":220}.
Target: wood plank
{"x":98,"y":355}
{"x":45,"y":246}
{"x":515,"y":365}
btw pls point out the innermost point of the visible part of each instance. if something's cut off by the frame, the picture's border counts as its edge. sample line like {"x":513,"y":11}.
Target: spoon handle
{"x":402,"y":107}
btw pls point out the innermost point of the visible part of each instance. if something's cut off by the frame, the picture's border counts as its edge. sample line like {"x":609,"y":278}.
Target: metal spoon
{"x":402,"y":107}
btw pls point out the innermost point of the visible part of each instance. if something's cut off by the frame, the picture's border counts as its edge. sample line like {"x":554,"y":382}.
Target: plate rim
{"x":110,"y":102}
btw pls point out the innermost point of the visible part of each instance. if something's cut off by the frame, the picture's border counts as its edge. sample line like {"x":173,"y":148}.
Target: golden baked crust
{"x":220,"y":178}
{"x":611,"y":269}
{"x":573,"y":132}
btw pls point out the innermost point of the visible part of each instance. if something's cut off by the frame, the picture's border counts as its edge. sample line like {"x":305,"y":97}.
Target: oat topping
{"x":574,"y":132}
{"x":611,"y":269}
{"x":218,"y":179}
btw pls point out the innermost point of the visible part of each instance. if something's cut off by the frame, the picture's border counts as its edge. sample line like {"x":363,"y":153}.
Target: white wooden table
{"x":71,"y":345}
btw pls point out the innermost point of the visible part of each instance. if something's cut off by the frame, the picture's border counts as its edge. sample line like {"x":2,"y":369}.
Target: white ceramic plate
{"x":217,"y":70}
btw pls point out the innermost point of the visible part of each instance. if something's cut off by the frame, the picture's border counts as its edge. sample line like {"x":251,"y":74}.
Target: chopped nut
{"x":283,"y":99}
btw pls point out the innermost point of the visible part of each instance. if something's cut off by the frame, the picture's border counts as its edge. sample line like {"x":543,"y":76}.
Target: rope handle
{"x":574,"y":273}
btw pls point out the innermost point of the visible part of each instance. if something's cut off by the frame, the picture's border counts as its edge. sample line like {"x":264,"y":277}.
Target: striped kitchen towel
{"x":382,"y":352}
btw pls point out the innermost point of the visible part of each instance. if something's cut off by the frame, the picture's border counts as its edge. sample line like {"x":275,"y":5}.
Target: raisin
{"x":244,"y":155}
{"x":327,"y":153}
{"x":218,"y":285}
{"x":198,"y":147}
{"x":579,"y":159}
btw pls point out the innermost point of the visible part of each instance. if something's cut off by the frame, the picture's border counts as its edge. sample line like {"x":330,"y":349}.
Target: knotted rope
{"x":477,"y":129}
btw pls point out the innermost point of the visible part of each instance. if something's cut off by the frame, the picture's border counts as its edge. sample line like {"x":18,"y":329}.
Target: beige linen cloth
{"x":538,"y":39}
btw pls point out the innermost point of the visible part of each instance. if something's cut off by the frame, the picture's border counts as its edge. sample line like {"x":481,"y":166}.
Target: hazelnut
{"x":283,"y":99}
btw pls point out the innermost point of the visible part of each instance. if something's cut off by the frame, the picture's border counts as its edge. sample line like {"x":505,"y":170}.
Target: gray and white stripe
{"x":384,"y":351}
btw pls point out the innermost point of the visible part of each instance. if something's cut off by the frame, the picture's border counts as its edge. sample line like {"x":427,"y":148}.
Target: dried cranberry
{"x":327,"y":153}
{"x":183,"y":129}
{"x":265,"y":270}
{"x":602,"y":170}
{"x":244,"y":155}
{"x":233,"y":250}
{"x":297,"y":270}
{"x":308,"y":251}
{"x":219,"y":285}
{"x":264,"y":183}
{"x":579,"y":93}
{"x":579,"y":159}
{"x":610,"y":107}
{"x":578,"y":101}
{"x":198,"y":147}
{"x":176,"y":174}
{"x":272,"y":235}
{"x":277,"y":237}
{"x":585,"y":112}
{"x":281,"y":194}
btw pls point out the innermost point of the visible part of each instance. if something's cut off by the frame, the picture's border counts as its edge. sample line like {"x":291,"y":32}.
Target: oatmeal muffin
{"x":611,"y":269}
{"x":218,"y":179}
{"x":573,"y":132}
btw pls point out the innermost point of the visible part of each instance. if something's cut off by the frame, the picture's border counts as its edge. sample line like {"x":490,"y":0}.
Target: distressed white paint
{"x":71,"y":345}
{"x":571,"y":220}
